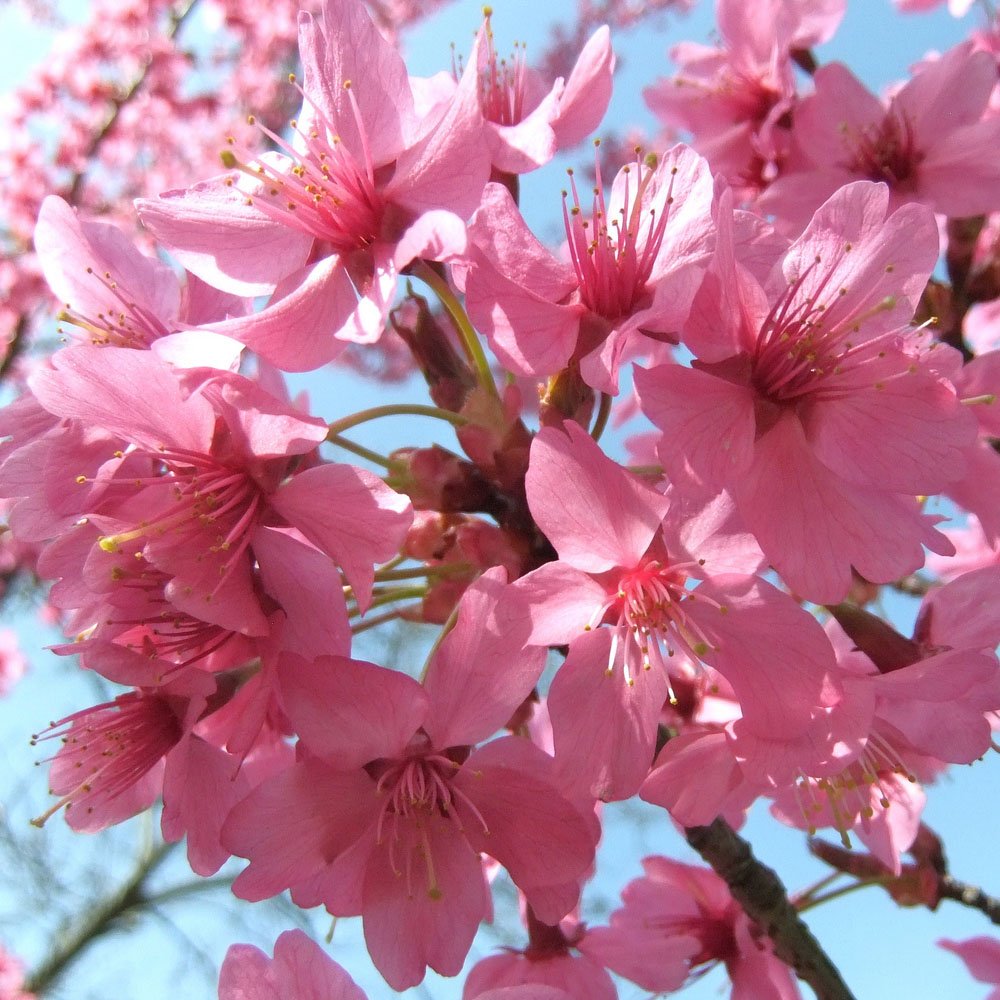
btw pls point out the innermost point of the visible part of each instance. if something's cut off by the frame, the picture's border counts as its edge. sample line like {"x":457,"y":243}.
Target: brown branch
{"x":16,"y":345}
{"x":969,"y":895}
{"x":759,"y":891}
{"x":101,"y":918}
{"x":177,"y":20}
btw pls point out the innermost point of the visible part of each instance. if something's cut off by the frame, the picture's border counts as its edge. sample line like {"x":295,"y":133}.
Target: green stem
{"x":445,"y":629}
{"x":362,"y":452}
{"x":393,"y":410}
{"x":802,"y":898}
{"x":837,"y":893}
{"x":398,"y":594}
{"x":470,"y":339}
{"x":446,"y":569}
{"x":603,"y":412}
{"x":387,"y":616}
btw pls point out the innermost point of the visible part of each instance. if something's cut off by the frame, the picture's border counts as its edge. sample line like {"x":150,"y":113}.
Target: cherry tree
{"x":697,"y":447}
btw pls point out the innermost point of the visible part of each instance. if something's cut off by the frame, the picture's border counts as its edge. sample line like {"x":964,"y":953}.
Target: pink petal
{"x":436,"y":235}
{"x":532,"y":830}
{"x":954,"y":178}
{"x":980,"y":954}
{"x":296,"y":330}
{"x":562,"y":602}
{"x":708,"y":424}
{"x":813,"y":526}
{"x":775,"y":654}
{"x":875,"y":265}
{"x":342,"y":45}
{"x":295,"y":823}
{"x":233,"y":246}
{"x":482,"y":671}
{"x":412,"y":919}
{"x":449,"y":165}
{"x":75,"y":255}
{"x":946,"y":94}
{"x":500,"y":231}
{"x":305,"y":972}
{"x":916,"y":431}
{"x":964,"y":613}
{"x":350,"y":712}
{"x":307,"y":586}
{"x":588,"y":90}
{"x":605,"y":725}
{"x":350,"y":514}
{"x":200,"y":786}
{"x":246,"y":975}
{"x":96,"y":385}
{"x":595,"y":513}
{"x":696,"y":779}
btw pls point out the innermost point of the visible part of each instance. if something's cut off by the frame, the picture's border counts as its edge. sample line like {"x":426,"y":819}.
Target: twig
{"x":759,"y":891}
{"x":98,"y":921}
{"x":969,"y":895}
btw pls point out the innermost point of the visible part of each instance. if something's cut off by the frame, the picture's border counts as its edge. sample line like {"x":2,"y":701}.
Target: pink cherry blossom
{"x":389,"y":805}
{"x":736,"y":99}
{"x":113,"y":294}
{"x":326,"y":225}
{"x":790,"y":377}
{"x":110,"y":766}
{"x":300,"y":970}
{"x":529,"y":121}
{"x":930,"y":143}
{"x":215,"y":454}
{"x":635,"y":263}
{"x":679,"y":918}
{"x":628,"y":557}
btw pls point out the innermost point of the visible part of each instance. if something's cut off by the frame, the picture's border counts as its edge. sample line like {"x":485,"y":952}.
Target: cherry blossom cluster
{"x":696,"y":628}
{"x":99,"y":121}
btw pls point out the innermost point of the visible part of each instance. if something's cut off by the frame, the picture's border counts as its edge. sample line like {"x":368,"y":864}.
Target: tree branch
{"x":98,"y":921}
{"x":759,"y":891}
{"x":969,"y":895}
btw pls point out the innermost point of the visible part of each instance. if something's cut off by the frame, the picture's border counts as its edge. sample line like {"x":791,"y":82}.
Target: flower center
{"x":203,"y":505}
{"x":649,"y":619}
{"x":107,"y":749}
{"x":802,"y":349}
{"x":121,"y":323}
{"x":884,"y":152}
{"x":613,"y":258}
{"x":319,"y":186}
{"x":419,"y":793}
{"x":501,"y":82}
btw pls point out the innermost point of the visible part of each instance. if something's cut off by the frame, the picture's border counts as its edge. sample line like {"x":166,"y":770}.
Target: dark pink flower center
{"x":501,"y":82}
{"x":108,"y":748}
{"x":848,"y":795}
{"x":650,"y":619}
{"x":321,"y":187}
{"x":803,"y":349}
{"x":884,"y":152}
{"x":614,"y":258}
{"x":144,"y":621}
{"x":194,"y":497}
{"x":122,"y":322}
{"x":419,"y":791}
